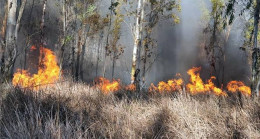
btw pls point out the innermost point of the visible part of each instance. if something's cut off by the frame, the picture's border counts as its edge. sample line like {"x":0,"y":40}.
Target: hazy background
{"x":178,"y":46}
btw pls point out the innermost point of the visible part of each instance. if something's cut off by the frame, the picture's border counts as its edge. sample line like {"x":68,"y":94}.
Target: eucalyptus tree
{"x":10,"y":29}
{"x":148,"y":14}
{"x":253,"y":8}
{"x":216,"y":38}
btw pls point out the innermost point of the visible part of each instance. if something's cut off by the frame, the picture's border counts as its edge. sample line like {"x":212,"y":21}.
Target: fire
{"x":238,"y":86}
{"x":169,"y":86}
{"x":33,"y":48}
{"x":197,"y":86}
{"x":48,"y":73}
{"x":106,"y":86}
{"x":131,"y":87}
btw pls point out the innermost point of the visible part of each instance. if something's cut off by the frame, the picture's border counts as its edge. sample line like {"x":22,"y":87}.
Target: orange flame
{"x":47,"y":74}
{"x":197,"y":86}
{"x":106,"y":86}
{"x":131,"y":87}
{"x":170,"y":86}
{"x":238,"y":86}
{"x":33,"y":48}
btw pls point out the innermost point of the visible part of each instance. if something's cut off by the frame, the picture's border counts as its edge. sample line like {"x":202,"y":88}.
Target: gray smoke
{"x":178,"y":45}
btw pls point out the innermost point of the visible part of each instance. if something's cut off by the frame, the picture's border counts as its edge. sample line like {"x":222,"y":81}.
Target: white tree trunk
{"x":10,"y":49}
{"x":17,"y":27}
{"x":137,"y":39}
{"x":11,"y":21}
{"x":43,"y":21}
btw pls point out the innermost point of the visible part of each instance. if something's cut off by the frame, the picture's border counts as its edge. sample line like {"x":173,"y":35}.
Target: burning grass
{"x":70,"y":110}
{"x":48,"y":72}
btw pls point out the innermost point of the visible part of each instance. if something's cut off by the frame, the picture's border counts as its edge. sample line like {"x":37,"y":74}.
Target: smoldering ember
{"x":129,"y":69}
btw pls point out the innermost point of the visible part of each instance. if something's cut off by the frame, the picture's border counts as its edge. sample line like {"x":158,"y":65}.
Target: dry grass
{"x":70,"y":110}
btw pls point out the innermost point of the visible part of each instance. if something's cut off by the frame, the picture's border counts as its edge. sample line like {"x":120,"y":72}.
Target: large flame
{"x":48,"y":72}
{"x":106,"y":86}
{"x":197,"y":86}
{"x":238,"y":86}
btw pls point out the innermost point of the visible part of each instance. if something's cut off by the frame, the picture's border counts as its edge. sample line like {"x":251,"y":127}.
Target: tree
{"x":148,"y":15}
{"x":2,"y":43}
{"x":137,"y":40}
{"x":256,"y":51}
{"x":116,"y":50}
{"x":10,"y":50}
{"x":218,"y":38}
{"x":255,"y":5}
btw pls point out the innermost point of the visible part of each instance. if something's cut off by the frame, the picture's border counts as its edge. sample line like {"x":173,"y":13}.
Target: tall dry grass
{"x":70,"y":110}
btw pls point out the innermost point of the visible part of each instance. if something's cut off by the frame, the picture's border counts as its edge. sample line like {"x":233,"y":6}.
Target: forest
{"x":129,"y":69}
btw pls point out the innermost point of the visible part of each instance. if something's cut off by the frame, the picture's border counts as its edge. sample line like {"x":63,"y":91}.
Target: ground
{"x":76,"y":110}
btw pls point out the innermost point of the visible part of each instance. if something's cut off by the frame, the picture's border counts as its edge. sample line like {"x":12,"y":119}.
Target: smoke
{"x":178,"y":46}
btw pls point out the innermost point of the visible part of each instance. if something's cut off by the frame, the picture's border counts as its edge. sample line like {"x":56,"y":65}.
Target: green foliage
{"x":89,"y":12}
{"x":217,"y":5}
{"x":176,"y":19}
{"x":68,"y":39}
{"x":249,"y":33}
{"x":165,"y":9}
{"x":230,"y":10}
{"x":117,"y":50}
{"x":113,"y":7}
{"x":205,"y":11}
{"x":249,"y":6}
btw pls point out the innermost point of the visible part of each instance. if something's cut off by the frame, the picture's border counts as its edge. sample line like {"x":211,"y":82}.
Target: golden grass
{"x":75,"y":110}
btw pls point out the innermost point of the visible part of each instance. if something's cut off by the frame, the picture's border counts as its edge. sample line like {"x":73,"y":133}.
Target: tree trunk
{"x":3,"y":35}
{"x":107,"y":38}
{"x":83,"y":51}
{"x":116,"y":37}
{"x":137,"y":40}
{"x":64,"y":11}
{"x":3,"y":30}
{"x":98,"y":53}
{"x":19,"y":19}
{"x":28,"y":35}
{"x":256,"y":53}
{"x":10,"y":50}
{"x":43,"y":21}
{"x":17,"y":28}
{"x":42,"y":43}
{"x":78,"y":56}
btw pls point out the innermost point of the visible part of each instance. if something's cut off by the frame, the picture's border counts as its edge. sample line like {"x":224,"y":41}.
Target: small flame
{"x":238,"y":86}
{"x":106,"y":86}
{"x":197,"y":86}
{"x":170,"y":86}
{"x":33,"y":48}
{"x":131,"y":87}
{"x":47,"y":74}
